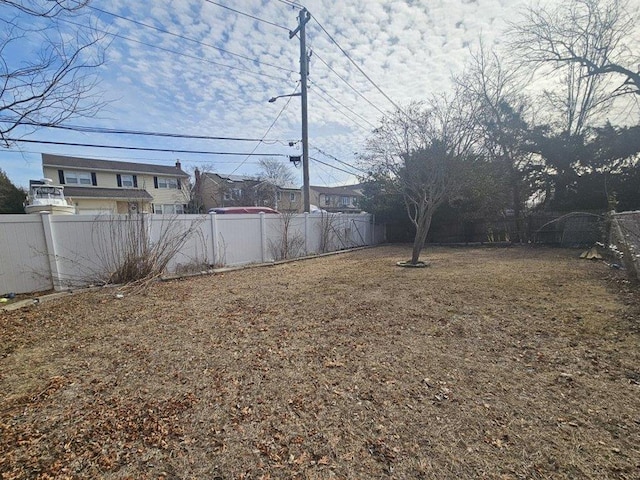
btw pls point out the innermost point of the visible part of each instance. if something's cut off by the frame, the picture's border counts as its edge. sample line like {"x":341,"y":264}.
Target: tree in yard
{"x":11,"y":197}
{"x":46,"y":74}
{"x":503,"y":131}
{"x":273,"y":174}
{"x":588,"y":38}
{"x":421,"y":152}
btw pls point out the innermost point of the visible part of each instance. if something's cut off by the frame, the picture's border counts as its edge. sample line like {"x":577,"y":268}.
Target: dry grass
{"x":506,"y":363}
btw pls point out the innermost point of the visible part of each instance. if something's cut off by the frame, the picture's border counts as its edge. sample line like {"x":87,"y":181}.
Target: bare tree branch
{"x":592,"y":35}
{"x":54,"y":82}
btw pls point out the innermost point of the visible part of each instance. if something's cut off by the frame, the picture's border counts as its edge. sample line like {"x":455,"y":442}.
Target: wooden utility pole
{"x":303,"y":18}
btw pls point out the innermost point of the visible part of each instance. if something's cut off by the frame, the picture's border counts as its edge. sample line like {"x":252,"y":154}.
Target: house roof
{"x":49,"y":160}
{"x":349,"y":190}
{"x":244,"y":178}
{"x":233,"y":178}
{"x":110,"y":193}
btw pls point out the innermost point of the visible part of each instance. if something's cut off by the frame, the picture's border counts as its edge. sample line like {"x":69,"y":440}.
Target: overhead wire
{"x":79,"y":128}
{"x":350,"y":86}
{"x":290,"y":4}
{"x":268,"y":129}
{"x":128,"y":157}
{"x":183,"y":37}
{"x":146,"y":149}
{"x":332,"y":166}
{"x":204,"y":60}
{"x":327,"y":94}
{"x":248,"y":15}
{"x":356,"y":65}
{"x":338,"y":160}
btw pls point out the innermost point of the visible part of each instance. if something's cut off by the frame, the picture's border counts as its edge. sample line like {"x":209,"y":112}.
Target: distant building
{"x":106,"y":186}
{"x":337,"y":199}
{"x":213,"y":190}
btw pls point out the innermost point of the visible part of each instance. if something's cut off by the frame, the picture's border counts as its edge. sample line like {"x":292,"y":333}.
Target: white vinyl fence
{"x":42,"y":252}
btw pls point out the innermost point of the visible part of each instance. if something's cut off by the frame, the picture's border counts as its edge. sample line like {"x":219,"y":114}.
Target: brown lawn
{"x":491,"y":363}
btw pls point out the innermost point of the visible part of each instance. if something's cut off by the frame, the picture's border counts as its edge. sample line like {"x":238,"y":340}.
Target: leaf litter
{"x":490,"y":363}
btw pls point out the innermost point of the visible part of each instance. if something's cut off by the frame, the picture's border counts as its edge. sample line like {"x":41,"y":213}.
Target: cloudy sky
{"x":200,"y":67}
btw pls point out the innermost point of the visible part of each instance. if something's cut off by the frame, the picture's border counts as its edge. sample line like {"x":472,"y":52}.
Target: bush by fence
{"x":42,"y":252}
{"x":550,"y":228}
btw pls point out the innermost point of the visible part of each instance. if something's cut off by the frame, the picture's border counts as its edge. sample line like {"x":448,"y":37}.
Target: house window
{"x":278,"y":195}
{"x":127,"y":180}
{"x":327,"y":200}
{"x":77,"y":178}
{"x":345,"y":200}
{"x":233,"y":194}
{"x":164,"y":182}
{"x":292,"y":197}
{"x":168,"y":209}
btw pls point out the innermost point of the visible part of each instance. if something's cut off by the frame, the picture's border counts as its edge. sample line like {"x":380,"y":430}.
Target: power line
{"x":332,"y":166}
{"x":268,"y":130}
{"x":290,"y":4}
{"x":314,"y":84}
{"x":338,"y":160}
{"x":247,"y":15}
{"x":147,"y":149}
{"x":79,"y":128}
{"x":356,"y":65}
{"x":182,"y":54}
{"x":349,"y":85}
{"x":128,"y":158}
{"x":161,"y":30}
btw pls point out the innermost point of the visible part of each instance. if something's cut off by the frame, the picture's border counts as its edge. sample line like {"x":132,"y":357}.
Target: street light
{"x":305,"y":140}
{"x":273,"y":99}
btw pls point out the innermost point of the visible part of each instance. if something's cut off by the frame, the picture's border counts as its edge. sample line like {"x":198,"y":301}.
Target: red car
{"x":242,"y":210}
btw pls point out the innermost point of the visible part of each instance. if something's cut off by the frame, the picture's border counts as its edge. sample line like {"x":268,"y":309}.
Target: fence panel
{"x":40,"y":252}
{"x":24,"y":265}
{"x":240,"y":239}
{"x":192,"y":232}
{"x":625,"y":235}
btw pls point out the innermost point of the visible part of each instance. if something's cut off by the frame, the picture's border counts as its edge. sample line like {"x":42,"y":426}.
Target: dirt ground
{"x":511,"y":363}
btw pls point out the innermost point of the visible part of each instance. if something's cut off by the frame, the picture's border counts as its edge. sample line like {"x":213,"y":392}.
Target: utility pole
{"x":303,"y":18}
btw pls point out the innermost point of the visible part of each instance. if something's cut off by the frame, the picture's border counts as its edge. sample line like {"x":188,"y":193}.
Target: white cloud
{"x":410,"y":49}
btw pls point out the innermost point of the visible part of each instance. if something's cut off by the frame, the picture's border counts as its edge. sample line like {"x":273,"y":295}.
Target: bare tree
{"x":421,"y":151}
{"x":589,"y":40}
{"x":273,"y":175}
{"x":54,"y":81}
{"x":289,"y":242}
{"x":500,"y":105}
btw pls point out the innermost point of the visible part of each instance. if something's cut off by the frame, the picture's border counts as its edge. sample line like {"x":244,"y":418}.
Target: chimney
{"x":178,"y":165}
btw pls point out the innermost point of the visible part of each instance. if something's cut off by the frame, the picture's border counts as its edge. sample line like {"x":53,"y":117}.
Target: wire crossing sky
{"x":195,"y":76}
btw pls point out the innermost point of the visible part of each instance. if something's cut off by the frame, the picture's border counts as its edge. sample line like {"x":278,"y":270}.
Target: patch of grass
{"x":491,"y":363}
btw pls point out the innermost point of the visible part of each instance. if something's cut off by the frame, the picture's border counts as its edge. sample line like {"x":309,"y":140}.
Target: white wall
{"x":41,"y":252}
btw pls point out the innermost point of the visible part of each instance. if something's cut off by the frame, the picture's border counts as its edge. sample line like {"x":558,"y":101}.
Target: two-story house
{"x":213,"y":190}
{"x":337,"y":199}
{"x":106,"y":186}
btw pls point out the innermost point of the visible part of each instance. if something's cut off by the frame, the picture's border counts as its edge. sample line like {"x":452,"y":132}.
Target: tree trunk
{"x":422,"y":229}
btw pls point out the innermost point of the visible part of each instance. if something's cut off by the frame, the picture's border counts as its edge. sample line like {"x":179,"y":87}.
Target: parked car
{"x":221,"y":210}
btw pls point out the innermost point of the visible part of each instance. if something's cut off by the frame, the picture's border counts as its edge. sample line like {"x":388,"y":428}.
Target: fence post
{"x":50,"y":243}
{"x":306,"y":233}
{"x":213,"y":223}
{"x":372,"y":226}
{"x":263,"y":237}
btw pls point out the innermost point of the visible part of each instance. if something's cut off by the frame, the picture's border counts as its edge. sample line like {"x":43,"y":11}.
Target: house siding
{"x":109,"y":179}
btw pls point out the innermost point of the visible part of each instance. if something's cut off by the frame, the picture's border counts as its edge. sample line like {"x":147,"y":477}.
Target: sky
{"x":208,"y":68}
